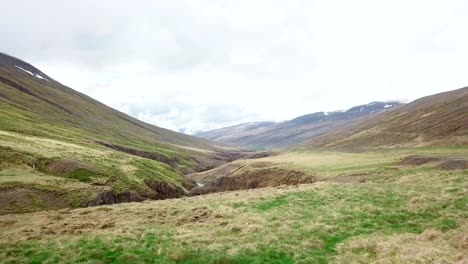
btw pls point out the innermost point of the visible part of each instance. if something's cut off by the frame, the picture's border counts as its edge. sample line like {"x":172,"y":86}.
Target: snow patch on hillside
{"x":31,"y":73}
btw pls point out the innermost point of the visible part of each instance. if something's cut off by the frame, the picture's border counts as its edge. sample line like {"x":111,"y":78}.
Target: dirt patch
{"x":445,"y":163}
{"x":461,"y":241}
{"x":430,"y":235}
{"x":64,"y":166}
{"x":24,"y":200}
{"x":455,"y":164}
{"x":73,"y":169}
{"x":418,"y":160}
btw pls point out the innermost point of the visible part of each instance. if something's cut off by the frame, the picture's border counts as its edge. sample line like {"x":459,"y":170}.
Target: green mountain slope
{"x":55,"y":141}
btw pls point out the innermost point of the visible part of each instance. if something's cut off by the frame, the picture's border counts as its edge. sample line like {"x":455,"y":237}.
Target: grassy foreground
{"x":397,"y":215}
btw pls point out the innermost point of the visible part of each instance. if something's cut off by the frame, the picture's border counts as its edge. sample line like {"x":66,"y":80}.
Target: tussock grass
{"x":418,"y":216}
{"x":56,"y":166}
{"x":406,"y":214}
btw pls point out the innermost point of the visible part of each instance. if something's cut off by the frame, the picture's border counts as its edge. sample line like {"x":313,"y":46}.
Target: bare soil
{"x":444,"y":163}
{"x":26,"y":199}
{"x":418,"y":160}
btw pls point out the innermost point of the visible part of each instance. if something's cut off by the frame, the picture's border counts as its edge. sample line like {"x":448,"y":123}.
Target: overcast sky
{"x":206,"y":64}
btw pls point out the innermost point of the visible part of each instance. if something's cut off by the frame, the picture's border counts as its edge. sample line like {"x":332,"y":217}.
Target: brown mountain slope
{"x":440,"y":119}
{"x":33,"y":103}
{"x":261,"y":135}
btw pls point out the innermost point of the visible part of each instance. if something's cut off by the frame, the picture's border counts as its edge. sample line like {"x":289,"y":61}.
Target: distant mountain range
{"x":264,"y":135}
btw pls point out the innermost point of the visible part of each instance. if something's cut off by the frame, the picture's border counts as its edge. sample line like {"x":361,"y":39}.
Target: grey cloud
{"x":205,"y":64}
{"x":170,"y":35}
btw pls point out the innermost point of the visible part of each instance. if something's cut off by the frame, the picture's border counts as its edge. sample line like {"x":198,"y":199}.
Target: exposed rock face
{"x":161,"y":190}
{"x":109,"y":197}
{"x":251,"y":179}
{"x":64,"y":166}
{"x":166,"y":191}
{"x":189,"y":184}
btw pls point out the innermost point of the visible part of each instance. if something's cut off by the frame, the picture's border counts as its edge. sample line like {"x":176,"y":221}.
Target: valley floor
{"x":363,"y":208}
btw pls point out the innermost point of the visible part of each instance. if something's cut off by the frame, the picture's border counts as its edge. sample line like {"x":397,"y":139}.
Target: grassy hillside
{"x":44,"y":107}
{"x":271,"y":135}
{"x":398,"y":214}
{"x":440,"y":119}
{"x":306,"y":166}
{"x":59,"y":144}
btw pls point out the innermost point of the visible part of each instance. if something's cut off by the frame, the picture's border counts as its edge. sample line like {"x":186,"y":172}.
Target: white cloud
{"x":205,"y":64}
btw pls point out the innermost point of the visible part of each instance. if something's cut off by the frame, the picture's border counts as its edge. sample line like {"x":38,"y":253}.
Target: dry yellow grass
{"x":47,"y":147}
{"x":399,"y":214}
{"x":432,"y":246}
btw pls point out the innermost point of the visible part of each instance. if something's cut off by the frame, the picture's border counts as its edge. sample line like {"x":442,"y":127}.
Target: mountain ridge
{"x":265,"y":134}
{"x":9,"y":64}
{"x":438,"y":119}
{"x":61,"y":148}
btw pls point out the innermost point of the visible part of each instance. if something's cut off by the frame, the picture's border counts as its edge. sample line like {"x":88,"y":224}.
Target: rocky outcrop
{"x":165,"y":190}
{"x":252,"y":178}
{"x":189,"y":184}
{"x":161,"y":191}
{"x":108,"y":197}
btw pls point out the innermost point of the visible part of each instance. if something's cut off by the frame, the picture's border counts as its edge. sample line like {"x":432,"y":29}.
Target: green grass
{"x":152,"y":247}
{"x":26,"y":161}
{"x":389,"y":214}
{"x":306,"y":224}
{"x":42,"y":122}
{"x":273,"y":204}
